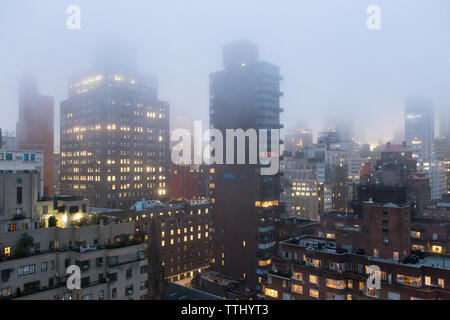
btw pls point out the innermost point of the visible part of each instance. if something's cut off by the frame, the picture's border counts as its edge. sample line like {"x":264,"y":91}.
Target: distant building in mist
{"x":8,"y":140}
{"x":114,"y":138}
{"x":444,"y":123}
{"x":297,"y":138}
{"x":419,"y":127}
{"x":35,"y":126}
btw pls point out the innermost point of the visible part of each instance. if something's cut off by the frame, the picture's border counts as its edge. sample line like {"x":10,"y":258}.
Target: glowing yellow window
{"x":297,"y":288}
{"x":314,"y":293}
{"x":271,"y":293}
{"x":436,"y":249}
{"x":313,"y":279}
{"x":7,"y":251}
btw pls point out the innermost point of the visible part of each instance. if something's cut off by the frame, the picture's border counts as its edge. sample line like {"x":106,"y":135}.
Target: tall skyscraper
{"x":419,"y":127}
{"x":114,"y":138}
{"x":245,"y":95}
{"x":35,"y":126}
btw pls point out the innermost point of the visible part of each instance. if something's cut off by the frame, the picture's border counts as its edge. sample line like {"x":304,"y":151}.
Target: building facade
{"x":419,"y":127}
{"x":245,"y":95}
{"x":114,"y":139}
{"x":113,"y":264}
{"x":35,"y":126}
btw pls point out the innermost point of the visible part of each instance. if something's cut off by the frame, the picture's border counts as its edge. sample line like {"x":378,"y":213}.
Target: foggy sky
{"x":332,"y":65}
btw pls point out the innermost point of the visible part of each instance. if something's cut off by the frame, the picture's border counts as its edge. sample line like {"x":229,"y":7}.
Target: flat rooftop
{"x":323,"y":245}
{"x":431,"y":261}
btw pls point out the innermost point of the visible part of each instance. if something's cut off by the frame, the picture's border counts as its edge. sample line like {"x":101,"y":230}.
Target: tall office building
{"x":419,"y":127}
{"x":245,"y":95}
{"x":35,"y":126}
{"x":114,"y":138}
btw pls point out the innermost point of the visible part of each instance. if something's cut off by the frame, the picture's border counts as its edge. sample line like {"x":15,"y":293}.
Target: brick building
{"x":184,"y":234}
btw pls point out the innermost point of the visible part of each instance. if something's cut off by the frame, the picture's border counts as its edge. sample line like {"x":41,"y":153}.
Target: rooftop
{"x":178,"y":292}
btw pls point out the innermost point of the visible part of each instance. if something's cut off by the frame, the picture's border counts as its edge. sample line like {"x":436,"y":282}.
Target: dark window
{"x":129,"y":273}
{"x":85,"y":282}
{"x":144,"y":269}
{"x":19,"y":195}
{"x":73,"y":209}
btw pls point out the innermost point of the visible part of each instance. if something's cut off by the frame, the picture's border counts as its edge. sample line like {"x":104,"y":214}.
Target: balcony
{"x":371,"y":293}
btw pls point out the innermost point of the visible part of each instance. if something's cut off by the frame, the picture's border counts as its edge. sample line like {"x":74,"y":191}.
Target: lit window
{"x":314,"y":293}
{"x":395,"y":255}
{"x":297,"y":288}
{"x":441,"y":283}
{"x":313,"y":279}
{"x":427,"y":280}
{"x":436,"y":249}
{"x":297,"y":276}
{"x":271,"y":293}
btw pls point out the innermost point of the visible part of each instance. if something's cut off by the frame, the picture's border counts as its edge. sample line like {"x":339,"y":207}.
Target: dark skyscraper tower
{"x":35,"y":126}
{"x":245,"y":95}
{"x":114,"y":138}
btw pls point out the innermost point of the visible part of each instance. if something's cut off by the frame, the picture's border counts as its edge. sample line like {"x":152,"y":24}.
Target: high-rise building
{"x":245,"y":95}
{"x":300,"y":186}
{"x":436,"y":172}
{"x":419,"y":127}
{"x":35,"y":126}
{"x":114,"y":139}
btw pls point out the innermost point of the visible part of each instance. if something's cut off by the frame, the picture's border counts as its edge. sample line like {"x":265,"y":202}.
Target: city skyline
{"x":316,"y":86}
{"x":250,"y":151}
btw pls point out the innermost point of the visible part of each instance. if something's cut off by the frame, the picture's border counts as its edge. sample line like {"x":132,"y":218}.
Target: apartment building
{"x":24,"y":160}
{"x":182,"y":234}
{"x":311,"y":268}
{"x":113,"y":265}
{"x":114,"y":139}
{"x":19,"y":191}
{"x":66,"y":211}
